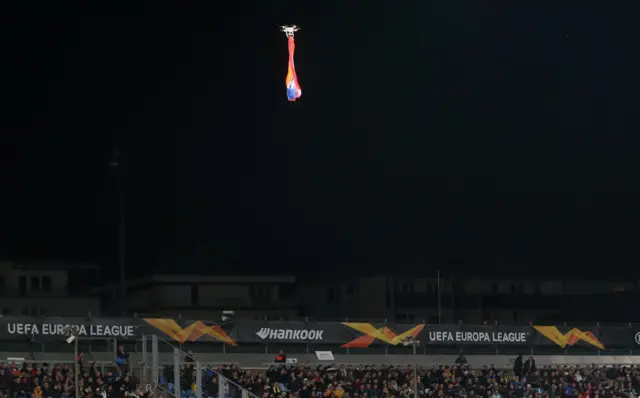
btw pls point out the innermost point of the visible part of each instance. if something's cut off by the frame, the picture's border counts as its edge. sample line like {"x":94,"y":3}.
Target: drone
{"x":289,"y":29}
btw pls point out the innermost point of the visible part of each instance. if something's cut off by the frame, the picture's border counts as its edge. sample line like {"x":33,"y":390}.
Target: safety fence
{"x":175,"y":373}
{"x":164,"y":369}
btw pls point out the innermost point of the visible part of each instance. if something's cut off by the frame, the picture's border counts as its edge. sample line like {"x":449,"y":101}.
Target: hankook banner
{"x":290,"y":332}
{"x":347,"y":335}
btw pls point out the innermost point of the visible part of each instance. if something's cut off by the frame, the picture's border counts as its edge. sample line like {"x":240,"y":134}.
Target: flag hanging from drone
{"x":293,"y":87}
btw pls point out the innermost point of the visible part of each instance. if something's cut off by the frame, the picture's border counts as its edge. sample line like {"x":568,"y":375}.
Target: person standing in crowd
{"x":122,"y":360}
{"x":461,"y":360}
{"x":518,"y":366}
{"x":533,"y":369}
{"x":529,"y":366}
{"x":281,"y":357}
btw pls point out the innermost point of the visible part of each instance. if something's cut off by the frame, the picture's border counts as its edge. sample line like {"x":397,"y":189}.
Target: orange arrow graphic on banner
{"x":192,"y":332}
{"x":371,"y":334}
{"x":570,"y":338}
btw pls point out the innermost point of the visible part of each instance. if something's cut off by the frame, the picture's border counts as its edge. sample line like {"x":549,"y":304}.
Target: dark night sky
{"x":462,"y":133}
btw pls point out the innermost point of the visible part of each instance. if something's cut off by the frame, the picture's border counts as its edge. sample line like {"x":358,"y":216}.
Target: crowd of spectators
{"x":30,"y":380}
{"x":283,"y":380}
{"x":458,"y":380}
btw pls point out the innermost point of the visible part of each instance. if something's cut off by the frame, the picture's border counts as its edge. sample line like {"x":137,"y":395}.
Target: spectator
{"x":461,"y":359}
{"x":456,"y":381}
{"x":533,"y":367}
{"x":31,"y":381}
{"x":122,"y":360}
{"x":517,"y":366}
{"x":281,"y":357}
{"x":529,"y":366}
{"x":212,"y":385}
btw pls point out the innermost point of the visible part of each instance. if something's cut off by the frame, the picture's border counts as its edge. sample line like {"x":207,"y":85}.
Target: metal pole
{"x":453,"y":300}
{"x":77,"y":367}
{"x":415,"y":371}
{"x":118,"y":165}
{"x":155,"y":362}
{"x":198,"y":380}
{"x":145,"y":359}
{"x":177,"y":388}
{"x":439,"y":301}
{"x":122,"y":235}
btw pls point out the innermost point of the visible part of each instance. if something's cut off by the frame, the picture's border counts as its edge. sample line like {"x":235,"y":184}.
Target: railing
{"x":165,"y":366}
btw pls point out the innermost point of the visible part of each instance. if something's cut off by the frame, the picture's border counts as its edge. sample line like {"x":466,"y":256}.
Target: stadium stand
{"x":154,"y":357}
{"x":344,"y":381}
{"x":32,"y":380}
{"x":333,"y":381}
